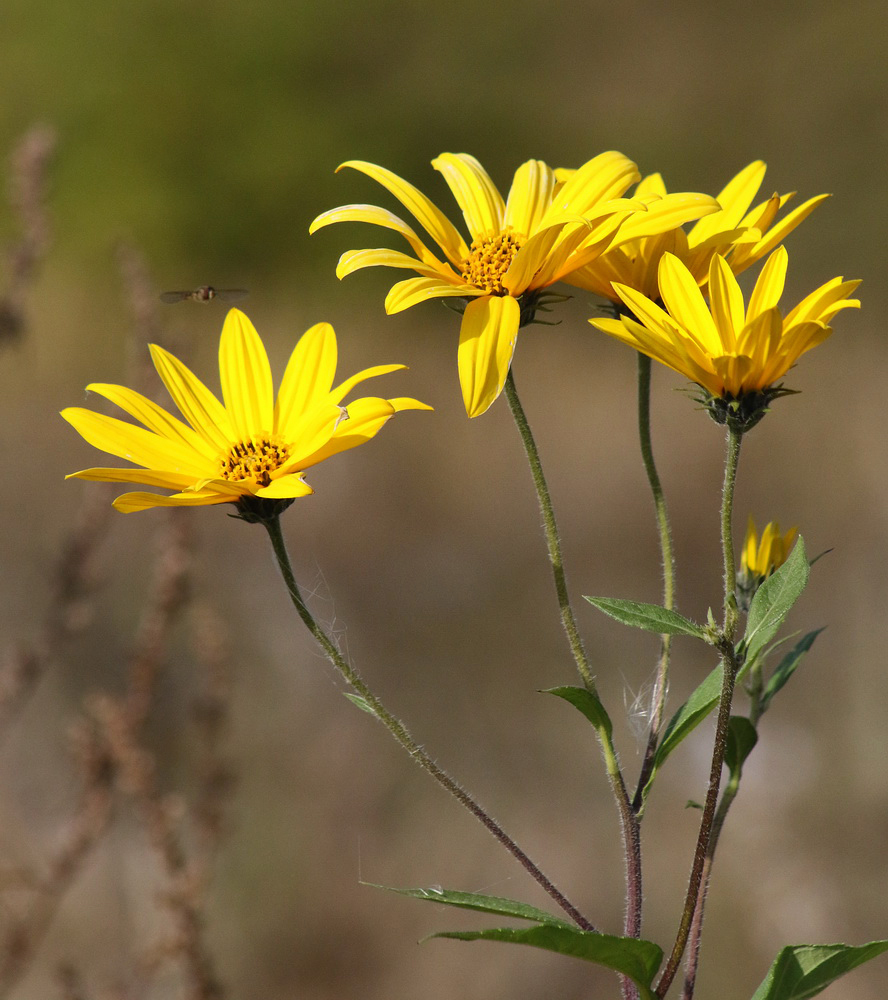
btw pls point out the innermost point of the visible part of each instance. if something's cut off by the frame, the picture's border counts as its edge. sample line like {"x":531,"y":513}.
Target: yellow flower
{"x":739,"y":234}
{"x":734,"y":354}
{"x":519,"y":246}
{"x":761,"y":558}
{"x":250,"y":446}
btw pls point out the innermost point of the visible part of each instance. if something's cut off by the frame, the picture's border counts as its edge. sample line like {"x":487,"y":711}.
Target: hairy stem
{"x":730,"y":666}
{"x":400,"y":732}
{"x":628,"y":819}
{"x":658,"y":696}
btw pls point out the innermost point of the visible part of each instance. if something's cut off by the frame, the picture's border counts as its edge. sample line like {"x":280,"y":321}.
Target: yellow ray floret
{"x":247,"y":445}
{"x":759,"y":559}
{"x":516,"y":247}
{"x":728,"y":348}
{"x":725,"y":225}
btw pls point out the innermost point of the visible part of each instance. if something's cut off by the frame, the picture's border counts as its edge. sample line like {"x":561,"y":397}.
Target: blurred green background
{"x":206,"y":135}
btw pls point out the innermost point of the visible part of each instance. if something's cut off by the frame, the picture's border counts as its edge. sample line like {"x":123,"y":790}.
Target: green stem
{"x":730,"y":666}
{"x":551,"y":529}
{"x":400,"y":732}
{"x":693,"y":960}
{"x":628,"y":819}
{"x":658,"y":697}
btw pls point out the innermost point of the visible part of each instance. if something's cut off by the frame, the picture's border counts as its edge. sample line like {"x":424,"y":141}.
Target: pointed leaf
{"x":587,"y":703}
{"x":742,"y":737}
{"x":804,"y":970}
{"x":651,"y":617}
{"x":786,"y":667}
{"x":637,"y":959}
{"x":485,"y":904}
{"x":690,"y":715}
{"x":773,"y":600}
{"x":362,"y":703}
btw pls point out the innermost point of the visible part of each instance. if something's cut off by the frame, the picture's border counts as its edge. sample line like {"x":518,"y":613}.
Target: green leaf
{"x":637,"y":959}
{"x":742,"y":737}
{"x":773,"y":600}
{"x":804,"y":970}
{"x":687,"y":718}
{"x":499,"y":905}
{"x":786,"y":667}
{"x":362,"y":703}
{"x":650,"y":617}
{"x":587,"y":703}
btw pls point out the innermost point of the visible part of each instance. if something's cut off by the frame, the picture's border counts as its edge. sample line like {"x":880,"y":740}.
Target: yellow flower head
{"x":759,"y":559}
{"x":735,"y":354}
{"x":740,"y":234}
{"x":250,"y":445}
{"x":518,"y":246}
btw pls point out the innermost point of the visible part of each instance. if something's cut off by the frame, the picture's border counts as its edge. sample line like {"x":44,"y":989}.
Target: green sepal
{"x":498,"y":905}
{"x":650,"y":617}
{"x":742,"y":737}
{"x":632,"y":957}
{"x":804,"y":970}
{"x":588,"y":703}
{"x":786,"y":667}
{"x":773,"y":599}
{"x":361,"y":702}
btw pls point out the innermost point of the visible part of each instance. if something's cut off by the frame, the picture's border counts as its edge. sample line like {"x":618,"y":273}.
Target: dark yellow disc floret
{"x":255,"y":459}
{"x":486,"y":265}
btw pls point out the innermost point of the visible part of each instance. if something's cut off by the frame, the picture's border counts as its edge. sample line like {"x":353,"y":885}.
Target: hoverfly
{"x":206,"y":293}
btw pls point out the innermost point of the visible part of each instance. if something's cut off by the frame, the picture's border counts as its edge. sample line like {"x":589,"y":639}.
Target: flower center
{"x":486,"y":265}
{"x":255,"y":459}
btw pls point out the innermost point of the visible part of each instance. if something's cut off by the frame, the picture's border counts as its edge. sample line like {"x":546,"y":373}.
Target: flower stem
{"x":550,"y":527}
{"x":628,"y":819}
{"x":658,"y":697}
{"x":693,"y":959}
{"x":730,"y":666}
{"x":400,"y":732}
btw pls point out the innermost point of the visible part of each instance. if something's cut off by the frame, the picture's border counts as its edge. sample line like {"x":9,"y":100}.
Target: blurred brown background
{"x":205,"y":135}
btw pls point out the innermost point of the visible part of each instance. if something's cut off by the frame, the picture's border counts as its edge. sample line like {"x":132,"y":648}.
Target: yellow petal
{"x":685,"y":303}
{"x":366,"y":417}
{"x":667,"y":213}
{"x":602,"y":178}
{"x":407,"y":293}
{"x":769,"y":286}
{"x":344,"y":388}
{"x":135,"y":444}
{"x":354,"y":260}
{"x":375,"y":216}
{"x":735,"y":199}
{"x":285,"y":487}
{"x":775,"y":235}
{"x":529,"y":197}
{"x":475,"y":193}
{"x":486,"y":344}
{"x":824,"y":302}
{"x":246,"y":377}
{"x":726,"y":301}
{"x":147,"y":477}
{"x":131,"y":502}
{"x":154,"y":417}
{"x":308,"y":376}
{"x":195,"y":401}
{"x":429,"y":216}
{"x":652,"y":185}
